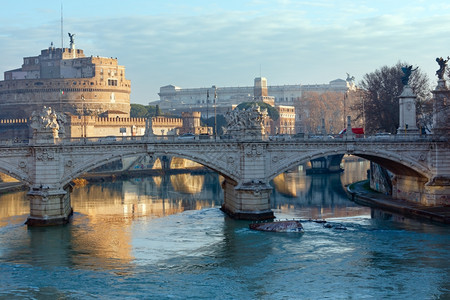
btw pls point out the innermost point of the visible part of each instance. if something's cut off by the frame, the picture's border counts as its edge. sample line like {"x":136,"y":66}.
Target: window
{"x":112,"y":82}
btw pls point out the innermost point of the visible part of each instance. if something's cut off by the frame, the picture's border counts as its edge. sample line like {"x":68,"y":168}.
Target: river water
{"x":164,"y":237}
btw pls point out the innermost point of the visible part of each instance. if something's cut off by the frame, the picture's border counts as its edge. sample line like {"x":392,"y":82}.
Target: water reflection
{"x":108,"y":216}
{"x":319,"y":196}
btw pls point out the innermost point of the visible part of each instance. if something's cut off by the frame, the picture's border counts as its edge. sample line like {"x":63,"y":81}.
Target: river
{"x":164,"y":237}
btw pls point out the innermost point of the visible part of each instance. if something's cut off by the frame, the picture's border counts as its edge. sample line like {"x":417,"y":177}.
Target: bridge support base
{"x":437,"y":191}
{"x":247,"y":201}
{"x":433,"y":193}
{"x":49,"y":206}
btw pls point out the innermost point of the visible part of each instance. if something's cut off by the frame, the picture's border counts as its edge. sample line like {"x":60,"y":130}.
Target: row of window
{"x":30,"y":60}
{"x":113,"y":73}
{"x":21,"y":91}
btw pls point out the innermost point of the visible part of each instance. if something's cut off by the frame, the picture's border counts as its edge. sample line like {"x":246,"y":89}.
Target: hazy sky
{"x":200,"y":43}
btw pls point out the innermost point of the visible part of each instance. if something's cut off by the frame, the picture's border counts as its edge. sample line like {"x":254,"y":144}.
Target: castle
{"x":68,"y":81}
{"x":92,"y":92}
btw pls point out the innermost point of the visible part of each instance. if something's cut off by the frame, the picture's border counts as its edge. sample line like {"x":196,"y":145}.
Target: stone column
{"x":349,"y":135}
{"x":149,"y":128}
{"x":49,"y":206}
{"x":407,"y":111}
{"x":249,"y":201}
{"x":441,"y":118}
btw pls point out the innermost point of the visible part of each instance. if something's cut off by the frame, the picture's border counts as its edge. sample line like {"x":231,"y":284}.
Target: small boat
{"x":278,"y":226}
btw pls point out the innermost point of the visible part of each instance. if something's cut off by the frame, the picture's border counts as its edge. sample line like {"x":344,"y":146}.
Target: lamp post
{"x":364,"y":112}
{"x":215,"y":114}
{"x":207,"y":104}
{"x":345,"y":98}
{"x":83,"y":126}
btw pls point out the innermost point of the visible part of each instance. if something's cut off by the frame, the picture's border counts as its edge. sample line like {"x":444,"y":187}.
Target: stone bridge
{"x":421,"y":165}
{"x":244,"y":157}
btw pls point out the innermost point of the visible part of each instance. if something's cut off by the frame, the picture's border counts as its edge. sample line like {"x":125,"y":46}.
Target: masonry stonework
{"x":63,"y":78}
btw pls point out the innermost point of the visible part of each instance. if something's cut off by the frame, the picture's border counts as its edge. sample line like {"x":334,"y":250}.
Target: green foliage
{"x":144,"y":111}
{"x":221,"y":122}
{"x":271,"y":111}
{"x":138,"y":111}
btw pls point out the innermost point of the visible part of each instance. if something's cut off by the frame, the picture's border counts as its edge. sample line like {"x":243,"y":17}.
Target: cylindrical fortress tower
{"x":67,"y":81}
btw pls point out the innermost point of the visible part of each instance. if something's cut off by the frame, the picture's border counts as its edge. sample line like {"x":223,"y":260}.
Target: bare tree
{"x":315,"y":107}
{"x":379,"y":93}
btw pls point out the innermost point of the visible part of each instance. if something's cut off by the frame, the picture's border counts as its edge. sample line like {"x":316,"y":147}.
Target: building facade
{"x":66,"y":80}
{"x":174,"y":98}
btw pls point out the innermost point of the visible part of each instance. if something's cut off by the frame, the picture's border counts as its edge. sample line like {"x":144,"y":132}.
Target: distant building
{"x":286,"y":121}
{"x":177,"y":99}
{"x":67,"y":81}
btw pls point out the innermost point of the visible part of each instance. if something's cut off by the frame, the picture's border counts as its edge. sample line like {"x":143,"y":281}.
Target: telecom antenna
{"x":62,"y":36}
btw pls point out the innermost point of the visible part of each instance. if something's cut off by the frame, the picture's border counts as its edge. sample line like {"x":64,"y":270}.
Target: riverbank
{"x":360,"y":194}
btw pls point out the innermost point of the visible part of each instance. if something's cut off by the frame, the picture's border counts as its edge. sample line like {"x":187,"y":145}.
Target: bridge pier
{"x":249,"y":201}
{"x":433,"y":193}
{"x":49,"y":206}
{"x":437,"y":192}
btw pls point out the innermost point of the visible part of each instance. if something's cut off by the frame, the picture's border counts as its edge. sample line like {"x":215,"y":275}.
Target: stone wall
{"x":380,"y":179}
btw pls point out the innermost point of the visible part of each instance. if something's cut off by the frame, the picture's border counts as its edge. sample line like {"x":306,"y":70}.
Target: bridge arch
{"x":15,"y":172}
{"x":84,"y":166}
{"x":397,"y":164}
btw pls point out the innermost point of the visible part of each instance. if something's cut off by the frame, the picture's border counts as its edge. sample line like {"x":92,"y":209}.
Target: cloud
{"x":227,"y":47}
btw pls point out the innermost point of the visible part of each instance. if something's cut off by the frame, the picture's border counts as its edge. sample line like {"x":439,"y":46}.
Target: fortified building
{"x":66,"y":80}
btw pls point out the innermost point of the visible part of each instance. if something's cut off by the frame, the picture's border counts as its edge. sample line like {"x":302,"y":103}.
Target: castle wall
{"x":18,"y":98}
{"x":14,"y":129}
{"x":166,"y":126}
{"x":18,"y":130}
{"x":90,"y":126}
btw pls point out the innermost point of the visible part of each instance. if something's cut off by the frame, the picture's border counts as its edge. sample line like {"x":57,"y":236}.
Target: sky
{"x":200,"y":43}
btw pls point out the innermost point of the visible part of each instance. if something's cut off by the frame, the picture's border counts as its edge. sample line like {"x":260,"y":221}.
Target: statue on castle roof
{"x":72,"y":42}
{"x":407,"y":70}
{"x":442,"y":65}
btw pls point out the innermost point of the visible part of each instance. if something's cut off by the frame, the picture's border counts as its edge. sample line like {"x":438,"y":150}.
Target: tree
{"x":379,"y":97}
{"x":144,"y":111}
{"x":313,"y":107}
{"x":138,"y":111}
{"x":221,"y":122}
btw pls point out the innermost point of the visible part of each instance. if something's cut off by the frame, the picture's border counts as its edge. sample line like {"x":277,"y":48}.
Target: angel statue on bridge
{"x":442,"y":65}
{"x":407,"y":70}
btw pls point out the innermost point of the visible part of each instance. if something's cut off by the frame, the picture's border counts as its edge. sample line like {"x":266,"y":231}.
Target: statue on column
{"x":45,"y":123}
{"x":407,"y":70}
{"x":442,"y":65}
{"x":149,"y":127}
